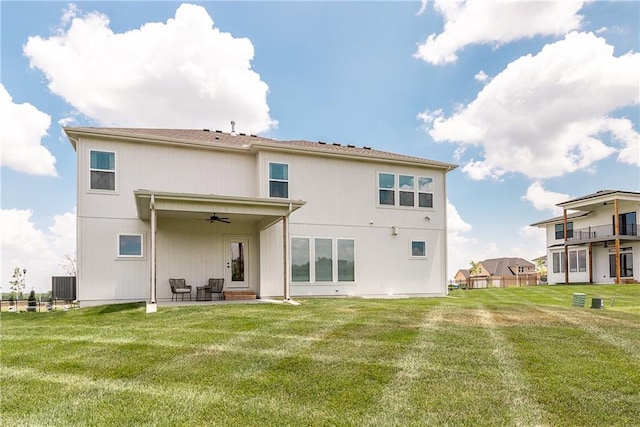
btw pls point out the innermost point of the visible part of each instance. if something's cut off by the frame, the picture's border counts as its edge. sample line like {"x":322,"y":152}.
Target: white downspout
{"x":285,"y":246}
{"x":152,"y":306}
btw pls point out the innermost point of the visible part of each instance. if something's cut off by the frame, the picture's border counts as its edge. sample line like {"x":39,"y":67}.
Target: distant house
{"x":462,"y":277}
{"x":273,"y":218}
{"x":503,"y":273}
{"x":595,"y":239}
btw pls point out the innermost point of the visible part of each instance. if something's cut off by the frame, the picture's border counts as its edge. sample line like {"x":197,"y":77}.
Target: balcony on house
{"x":603,"y":232}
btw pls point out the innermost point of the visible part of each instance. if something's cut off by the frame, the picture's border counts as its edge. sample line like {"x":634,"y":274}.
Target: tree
{"x":475,"y":268}
{"x":31,"y":305}
{"x":70,"y":264}
{"x":17,"y":282}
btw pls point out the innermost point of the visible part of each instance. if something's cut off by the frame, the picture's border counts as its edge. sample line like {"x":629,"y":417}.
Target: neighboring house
{"x":503,"y":273}
{"x":462,"y":277}
{"x":596,"y":242}
{"x":279,"y":218}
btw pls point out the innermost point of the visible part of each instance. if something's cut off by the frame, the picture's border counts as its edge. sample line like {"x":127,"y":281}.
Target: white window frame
{"x":337,"y":260}
{"x":286,"y":181}
{"x":560,"y":260}
{"x":582,"y":267}
{"x":392,"y":189}
{"x":126,"y":256}
{"x":418,"y":192}
{"x":114,"y":171}
{"x":426,"y":247}
{"x":315,"y":260}
{"x":411,"y":191}
{"x":310,"y":257}
{"x":397,"y":191}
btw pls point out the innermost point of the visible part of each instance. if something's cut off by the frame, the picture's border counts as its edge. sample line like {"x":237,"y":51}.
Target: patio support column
{"x":591,"y":262}
{"x":616,"y":232}
{"x":285,"y":275}
{"x":566,"y":249}
{"x":152,"y":256}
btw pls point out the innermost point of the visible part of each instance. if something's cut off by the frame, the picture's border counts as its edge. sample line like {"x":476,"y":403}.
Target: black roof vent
{"x":218,"y":131}
{"x":206,"y":130}
{"x":366,"y":148}
{"x":254,"y":136}
{"x":217,"y":137}
{"x":322,"y":142}
{"x":337,"y":144}
{"x":242,"y":134}
{"x":351,"y":146}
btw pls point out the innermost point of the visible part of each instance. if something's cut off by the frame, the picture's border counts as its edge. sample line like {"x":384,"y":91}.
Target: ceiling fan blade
{"x":225,"y":220}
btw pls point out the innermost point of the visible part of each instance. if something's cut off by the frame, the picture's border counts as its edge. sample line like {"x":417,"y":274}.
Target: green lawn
{"x":494,"y":357}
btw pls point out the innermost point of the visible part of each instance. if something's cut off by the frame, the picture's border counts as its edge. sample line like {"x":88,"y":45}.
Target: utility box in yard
{"x":579,"y":299}
{"x":597,"y":303}
{"x":63,"y":288}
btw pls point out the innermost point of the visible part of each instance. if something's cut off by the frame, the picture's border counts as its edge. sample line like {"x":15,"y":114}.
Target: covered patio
{"x":200,"y":235}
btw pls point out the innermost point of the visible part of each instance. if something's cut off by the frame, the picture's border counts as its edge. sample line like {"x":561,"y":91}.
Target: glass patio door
{"x":236,"y":262}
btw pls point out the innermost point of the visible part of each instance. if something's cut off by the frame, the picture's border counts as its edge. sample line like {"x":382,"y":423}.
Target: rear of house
{"x":595,"y":240}
{"x":279,"y":218}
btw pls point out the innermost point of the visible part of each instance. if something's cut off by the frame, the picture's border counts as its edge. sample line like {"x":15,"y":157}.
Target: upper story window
{"x":559,"y":228}
{"x":279,"y":180}
{"x":387,"y":185}
{"x":411,"y":190}
{"x":407,"y":190}
{"x":425,"y":192}
{"x":103,"y":170}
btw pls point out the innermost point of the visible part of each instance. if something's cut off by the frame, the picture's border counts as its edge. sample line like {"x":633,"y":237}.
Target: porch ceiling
{"x":249,"y":209}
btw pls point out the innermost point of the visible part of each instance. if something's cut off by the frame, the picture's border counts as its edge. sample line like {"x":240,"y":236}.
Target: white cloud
{"x":534,"y":242}
{"x":39,"y":252}
{"x":182,"y":73}
{"x":21,"y":133}
{"x":542,"y":199}
{"x":423,"y":7}
{"x":460,"y":247}
{"x":543,"y":115}
{"x":481,"y":76}
{"x":623,"y":132}
{"x":496,"y":22}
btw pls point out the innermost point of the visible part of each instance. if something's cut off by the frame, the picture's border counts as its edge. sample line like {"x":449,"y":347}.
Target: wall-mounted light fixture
{"x":394,"y":230}
{"x":427,"y":218}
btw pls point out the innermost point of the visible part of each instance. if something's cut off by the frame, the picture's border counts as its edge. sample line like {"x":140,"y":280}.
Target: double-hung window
{"x":559,"y":229}
{"x":425,"y":192}
{"x":386,"y":186}
{"x":103,"y":170}
{"x":412,"y":190}
{"x":407,"y":190}
{"x":279,"y":180}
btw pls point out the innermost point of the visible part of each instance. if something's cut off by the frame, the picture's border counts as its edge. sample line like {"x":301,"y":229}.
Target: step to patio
{"x":239,"y":295}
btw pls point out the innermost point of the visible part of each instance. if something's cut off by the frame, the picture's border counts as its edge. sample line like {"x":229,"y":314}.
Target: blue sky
{"x":536,"y":101}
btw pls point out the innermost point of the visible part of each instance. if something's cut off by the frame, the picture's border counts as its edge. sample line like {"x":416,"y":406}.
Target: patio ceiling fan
{"x":215,"y":217}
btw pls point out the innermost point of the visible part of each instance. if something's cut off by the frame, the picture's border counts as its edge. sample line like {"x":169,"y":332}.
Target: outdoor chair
{"x":216,"y":286}
{"x":179,"y":287}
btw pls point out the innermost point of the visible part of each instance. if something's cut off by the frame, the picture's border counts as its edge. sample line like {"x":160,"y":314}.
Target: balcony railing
{"x":600,"y":231}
